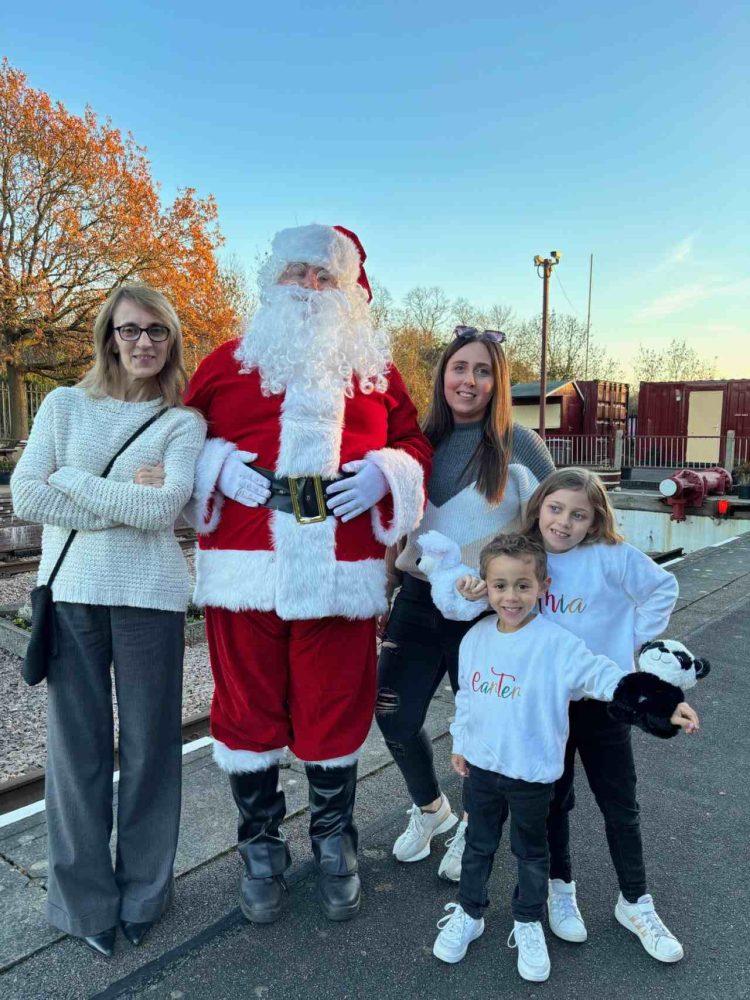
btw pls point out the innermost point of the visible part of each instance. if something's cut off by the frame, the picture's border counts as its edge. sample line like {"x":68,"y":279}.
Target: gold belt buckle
{"x":319,"y":497}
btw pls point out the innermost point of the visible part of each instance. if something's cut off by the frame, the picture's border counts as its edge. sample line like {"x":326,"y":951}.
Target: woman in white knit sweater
{"x":484,"y":470}
{"x":120,"y":599}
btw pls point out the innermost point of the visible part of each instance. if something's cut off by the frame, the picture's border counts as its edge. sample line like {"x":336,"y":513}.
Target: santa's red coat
{"x":261,"y":559}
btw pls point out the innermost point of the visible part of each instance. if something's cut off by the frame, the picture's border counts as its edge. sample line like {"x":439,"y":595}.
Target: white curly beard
{"x":316,"y":340}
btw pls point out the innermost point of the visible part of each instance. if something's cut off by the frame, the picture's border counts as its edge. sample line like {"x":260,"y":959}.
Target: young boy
{"x":517,"y":673}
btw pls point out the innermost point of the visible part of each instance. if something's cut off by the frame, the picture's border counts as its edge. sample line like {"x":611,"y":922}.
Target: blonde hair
{"x":103,"y":376}
{"x":583,"y":481}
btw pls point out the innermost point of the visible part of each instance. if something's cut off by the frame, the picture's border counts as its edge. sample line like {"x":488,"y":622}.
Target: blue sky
{"x":458,"y":140}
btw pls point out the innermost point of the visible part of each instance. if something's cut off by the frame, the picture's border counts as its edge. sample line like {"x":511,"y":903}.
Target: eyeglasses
{"x":156,"y":333}
{"x":470,"y":332}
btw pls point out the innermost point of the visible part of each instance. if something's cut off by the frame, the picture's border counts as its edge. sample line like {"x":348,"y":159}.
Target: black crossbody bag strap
{"x":74,"y":532}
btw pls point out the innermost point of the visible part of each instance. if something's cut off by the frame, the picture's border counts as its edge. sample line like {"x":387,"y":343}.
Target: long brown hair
{"x":103,"y":376}
{"x":492,"y":456}
{"x":583,"y":481}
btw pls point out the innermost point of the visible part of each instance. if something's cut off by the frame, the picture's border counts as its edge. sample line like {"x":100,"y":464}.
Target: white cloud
{"x":673,"y":302}
{"x":688,"y":295}
{"x":681,"y":251}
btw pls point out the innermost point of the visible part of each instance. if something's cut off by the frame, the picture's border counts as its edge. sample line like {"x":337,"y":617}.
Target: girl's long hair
{"x":492,"y":456}
{"x":584,"y":481}
{"x":103,"y":376}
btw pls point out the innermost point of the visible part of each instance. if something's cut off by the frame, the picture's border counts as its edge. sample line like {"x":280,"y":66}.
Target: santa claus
{"x":315,"y":462}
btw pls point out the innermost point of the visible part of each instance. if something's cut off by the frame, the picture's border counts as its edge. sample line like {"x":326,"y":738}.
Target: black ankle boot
{"x":136,"y":931}
{"x":102,"y":943}
{"x":334,"y":839}
{"x":261,"y":844}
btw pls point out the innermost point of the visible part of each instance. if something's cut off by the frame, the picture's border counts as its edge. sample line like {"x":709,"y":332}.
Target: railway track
{"x":29,"y":787}
{"x":28,"y":562}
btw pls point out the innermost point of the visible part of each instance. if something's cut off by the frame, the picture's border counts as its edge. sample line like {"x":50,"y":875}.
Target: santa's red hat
{"x":337,"y":249}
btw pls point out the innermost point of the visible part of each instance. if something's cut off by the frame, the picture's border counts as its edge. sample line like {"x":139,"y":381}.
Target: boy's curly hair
{"x":515,"y":546}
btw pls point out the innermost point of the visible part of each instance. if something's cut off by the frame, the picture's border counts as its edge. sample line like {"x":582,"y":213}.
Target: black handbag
{"x":43,"y":641}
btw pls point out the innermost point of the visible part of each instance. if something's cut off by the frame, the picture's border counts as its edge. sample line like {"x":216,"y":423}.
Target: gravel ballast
{"x":23,"y":710}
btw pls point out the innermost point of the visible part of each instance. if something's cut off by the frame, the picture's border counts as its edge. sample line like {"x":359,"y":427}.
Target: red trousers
{"x":308,"y":685}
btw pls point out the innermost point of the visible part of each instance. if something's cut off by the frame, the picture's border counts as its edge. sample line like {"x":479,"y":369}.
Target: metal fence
{"x":741,"y":450}
{"x":621,"y":450}
{"x":672,"y":451}
{"x":35,"y":393}
{"x":593,"y":450}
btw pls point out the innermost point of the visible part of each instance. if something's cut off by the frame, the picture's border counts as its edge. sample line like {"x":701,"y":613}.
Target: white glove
{"x":241,"y":483}
{"x":352,"y":497}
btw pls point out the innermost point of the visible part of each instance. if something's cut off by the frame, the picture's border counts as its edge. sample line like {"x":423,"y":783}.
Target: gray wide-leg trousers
{"x":85,"y":894}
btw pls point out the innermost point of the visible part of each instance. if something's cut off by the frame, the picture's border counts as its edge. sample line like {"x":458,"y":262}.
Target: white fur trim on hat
{"x":406,"y":481}
{"x":244,"y":761}
{"x":323,"y":246}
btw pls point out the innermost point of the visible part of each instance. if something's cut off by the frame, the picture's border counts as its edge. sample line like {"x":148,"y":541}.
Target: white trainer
{"x":457,"y":931}
{"x":642,"y":919}
{"x":414,"y":842}
{"x":450,"y":866}
{"x":533,"y":958}
{"x":565,"y":918}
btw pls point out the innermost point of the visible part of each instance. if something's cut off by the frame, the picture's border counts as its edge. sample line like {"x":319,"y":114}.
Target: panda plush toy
{"x":648,"y":697}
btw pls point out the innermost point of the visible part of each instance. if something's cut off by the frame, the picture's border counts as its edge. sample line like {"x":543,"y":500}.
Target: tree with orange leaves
{"x":79,"y":214}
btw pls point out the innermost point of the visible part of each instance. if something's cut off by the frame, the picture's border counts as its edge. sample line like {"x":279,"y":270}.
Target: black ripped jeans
{"x":419,"y":647}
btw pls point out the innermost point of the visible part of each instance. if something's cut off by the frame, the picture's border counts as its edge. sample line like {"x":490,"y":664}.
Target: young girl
{"x":615,"y":598}
{"x":485,"y":468}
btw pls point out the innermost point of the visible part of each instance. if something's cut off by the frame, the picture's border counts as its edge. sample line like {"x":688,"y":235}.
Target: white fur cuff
{"x":406,"y":481}
{"x":203,"y":510}
{"x":244,"y":761}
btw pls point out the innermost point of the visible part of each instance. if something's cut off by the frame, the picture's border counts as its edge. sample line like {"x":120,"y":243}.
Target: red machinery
{"x":689,"y":487}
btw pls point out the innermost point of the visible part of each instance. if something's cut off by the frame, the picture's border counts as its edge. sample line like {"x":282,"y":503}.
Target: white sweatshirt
{"x":614,"y":597}
{"x":514,"y":690}
{"x":126,"y":552}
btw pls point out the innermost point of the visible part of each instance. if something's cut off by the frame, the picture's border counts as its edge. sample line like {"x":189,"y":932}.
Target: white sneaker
{"x":414,"y":842}
{"x":565,"y":918}
{"x":457,"y":931}
{"x":642,"y":919}
{"x":450,"y":866}
{"x":533,"y":959}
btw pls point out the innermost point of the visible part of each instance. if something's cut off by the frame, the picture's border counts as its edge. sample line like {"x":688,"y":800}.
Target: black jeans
{"x":419,"y":647}
{"x":607,"y":757}
{"x":492,"y":797}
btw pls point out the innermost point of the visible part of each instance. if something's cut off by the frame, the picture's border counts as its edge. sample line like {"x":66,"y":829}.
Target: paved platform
{"x":694,"y":798}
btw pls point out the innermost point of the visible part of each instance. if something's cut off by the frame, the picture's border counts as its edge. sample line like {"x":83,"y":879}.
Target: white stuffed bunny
{"x":441,"y":564}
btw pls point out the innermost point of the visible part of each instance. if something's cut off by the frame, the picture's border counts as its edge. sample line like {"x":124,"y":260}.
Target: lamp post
{"x":544,"y":267}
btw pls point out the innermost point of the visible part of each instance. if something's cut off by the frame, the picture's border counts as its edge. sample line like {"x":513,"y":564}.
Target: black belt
{"x":303,"y":496}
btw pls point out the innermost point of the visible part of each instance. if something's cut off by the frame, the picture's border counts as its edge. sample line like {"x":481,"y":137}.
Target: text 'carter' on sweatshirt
{"x":514,"y":690}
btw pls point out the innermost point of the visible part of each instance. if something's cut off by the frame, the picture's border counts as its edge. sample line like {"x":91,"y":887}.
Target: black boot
{"x":261,"y":843}
{"x":102,"y":943}
{"x":136,"y":932}
{"x":334,"y":839}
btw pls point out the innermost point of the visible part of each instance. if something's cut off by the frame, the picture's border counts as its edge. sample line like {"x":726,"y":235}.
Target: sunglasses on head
{"x":471,"y":332}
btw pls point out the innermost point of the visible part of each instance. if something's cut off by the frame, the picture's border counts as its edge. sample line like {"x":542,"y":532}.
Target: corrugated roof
{"x":527,"y":390}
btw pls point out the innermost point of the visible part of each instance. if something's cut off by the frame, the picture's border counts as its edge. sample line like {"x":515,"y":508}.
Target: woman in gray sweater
{"x":120,"y":599}
{"x":484,"y":470}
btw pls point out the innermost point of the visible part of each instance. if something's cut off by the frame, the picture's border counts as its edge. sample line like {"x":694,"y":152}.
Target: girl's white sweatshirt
{"x":614,"y":597}
{"x":514,"y":690}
